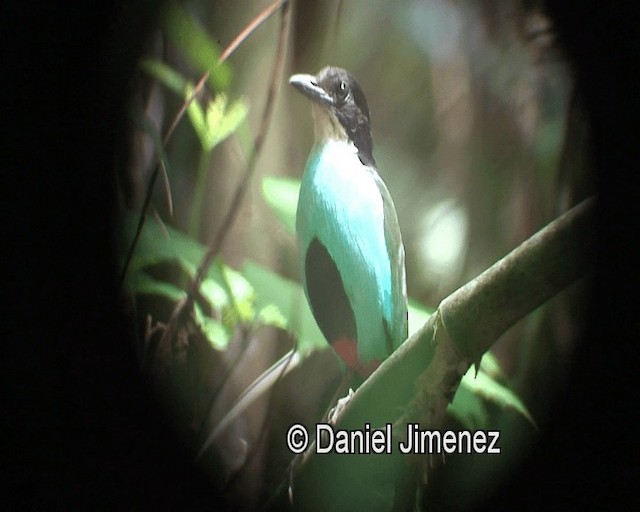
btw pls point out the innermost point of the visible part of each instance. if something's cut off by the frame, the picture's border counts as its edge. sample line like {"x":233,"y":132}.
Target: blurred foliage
{"x":228,"y":295}
{"x":258,"y":296}
{"x":213,"y":123}
{"x":185,"y":32}
{"x":470,"y":104}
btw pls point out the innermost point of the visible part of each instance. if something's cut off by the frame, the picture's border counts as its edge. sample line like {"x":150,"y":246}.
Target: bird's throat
{"x":326,"y":125}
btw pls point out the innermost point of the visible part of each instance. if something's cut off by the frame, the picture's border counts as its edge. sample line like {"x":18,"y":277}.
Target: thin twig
{"x":185,"y":105}
{"x":251,"y":28}
{"x":240,"y":38}
{"x":156,"y":170}
{"x":183,"y":307}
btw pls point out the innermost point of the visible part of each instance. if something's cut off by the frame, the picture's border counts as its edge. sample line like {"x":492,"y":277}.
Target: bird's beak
{"x":307,"y":85}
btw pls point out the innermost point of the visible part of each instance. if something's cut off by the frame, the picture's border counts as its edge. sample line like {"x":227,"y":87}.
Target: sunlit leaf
{"x":218,"y":122}
{"x":215,"y":113}
{"x":214,"y":331}
{"x":197,"y":117}
{"x":214,"y":293}
{"x":241,"y":296}
{"x":234,"y":114}
{"x":240,"y":287}
{"x":271,"y":315}
{"x":243,"y":313}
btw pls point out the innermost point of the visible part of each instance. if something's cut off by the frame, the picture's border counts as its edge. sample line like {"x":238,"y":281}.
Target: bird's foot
{"x":342,"y":403}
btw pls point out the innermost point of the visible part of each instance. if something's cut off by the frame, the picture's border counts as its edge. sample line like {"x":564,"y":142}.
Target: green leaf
{"x":469,"y":409}
{"x":243,"y":313}
{"x":220,"y":119}
{"x":220,"y":281}
{"x":144,"y":284}
{"x":271,"y":315}
{"x":241,"y":296}
{"x":214,"y":331}
{"x":214,"y":116}
{"x":154,"y":246}
{"x":192,"y":39}
{"x":214,"y":293}
{"x":238,"y":284}
{"x":288,"y":297}
{"x":166,"y":75}
{"x":281,"y":194}
{"x":197,"y":117}
{"x":232,"y":116}
{"x":484,"y":386}
{"x":490,"y":366}
{"x":218,"y":122}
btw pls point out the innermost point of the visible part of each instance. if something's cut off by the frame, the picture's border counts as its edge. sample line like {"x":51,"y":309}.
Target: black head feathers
{"x":337,"y":91}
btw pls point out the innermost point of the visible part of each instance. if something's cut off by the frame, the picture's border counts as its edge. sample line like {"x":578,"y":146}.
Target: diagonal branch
{"x":251,"y":28}
{"x":561,"y":253}
{"x":420,"y":378}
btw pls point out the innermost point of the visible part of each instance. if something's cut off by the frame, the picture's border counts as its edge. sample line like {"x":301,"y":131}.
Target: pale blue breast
{"x":340,"y":204}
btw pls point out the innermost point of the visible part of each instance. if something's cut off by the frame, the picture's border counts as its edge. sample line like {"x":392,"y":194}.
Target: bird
{"x":351,"y":251}
{"x":352,"y":257}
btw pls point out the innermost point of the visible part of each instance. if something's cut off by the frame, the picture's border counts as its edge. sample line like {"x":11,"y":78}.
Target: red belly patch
{"x":347,"y":349}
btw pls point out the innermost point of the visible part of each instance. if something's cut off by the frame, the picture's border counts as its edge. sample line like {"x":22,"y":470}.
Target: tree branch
{"x":478,"y":313}
{"x":419,"y":380}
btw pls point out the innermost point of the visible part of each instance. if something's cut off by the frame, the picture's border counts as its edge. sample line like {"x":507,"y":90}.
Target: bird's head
{"x":339,"y":108}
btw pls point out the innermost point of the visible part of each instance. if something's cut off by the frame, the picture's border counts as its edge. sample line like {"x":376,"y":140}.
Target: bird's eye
{"x":343,"y":90}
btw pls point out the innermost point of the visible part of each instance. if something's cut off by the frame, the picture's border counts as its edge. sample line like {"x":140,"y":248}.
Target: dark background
{"x":78,"y":429}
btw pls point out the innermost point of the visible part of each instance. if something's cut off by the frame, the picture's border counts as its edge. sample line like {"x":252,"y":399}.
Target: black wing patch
{"x":328,"y":299}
